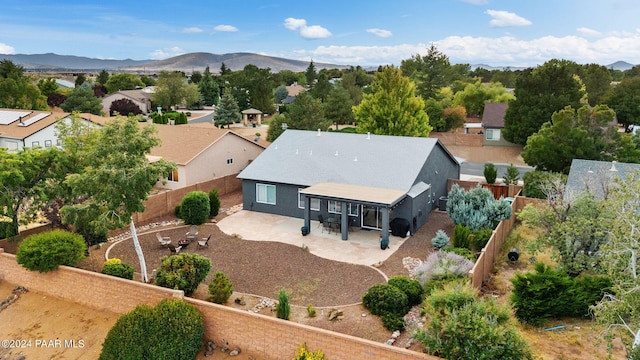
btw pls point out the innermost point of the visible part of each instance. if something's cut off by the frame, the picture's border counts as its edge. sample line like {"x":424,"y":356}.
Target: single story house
{"x":361,"y":180}
{"x":595,"y":177}
{"x":140,"y":97}
{"x":202,"y":152}
{"x":493,"y":123}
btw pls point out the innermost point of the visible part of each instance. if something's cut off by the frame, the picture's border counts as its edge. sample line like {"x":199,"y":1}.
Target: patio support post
{"x":307,"y":212}
{"x":344,"y":221}
{"x":385,"y":224}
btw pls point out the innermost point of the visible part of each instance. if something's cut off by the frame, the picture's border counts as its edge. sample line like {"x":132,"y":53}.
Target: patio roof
{"x":363,"y":194}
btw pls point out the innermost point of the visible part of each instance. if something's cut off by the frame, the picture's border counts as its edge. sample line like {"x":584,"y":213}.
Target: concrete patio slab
{"x":362,"y":248}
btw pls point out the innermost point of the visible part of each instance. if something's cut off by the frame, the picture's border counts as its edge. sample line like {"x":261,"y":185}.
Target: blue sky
{"x":368,"y":33}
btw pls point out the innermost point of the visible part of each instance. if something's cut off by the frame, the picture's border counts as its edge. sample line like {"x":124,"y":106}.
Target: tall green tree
{"x":475,"y":95}
{"x":196,"y":76}
{"x":539,"y":93}
{"x":172,"y":89}
{"x":17,"y":91}
{"x":259,"y":85}
{"x":305,"y":113}
{"x":322,"y":87}
{"x":338,"y":107}
{"x":82,"y":99}
{"x":209,"y":88}
{"x":103,"y":77}
{"x":280,"y":94}
{"x":228,"y":111}
{"x":119,"y":179}
{"x":430,"y":72}
{"x":80,"y":79}
{"x":310,"y":73}
{"x":624,"y":99}
{"x":123,"y":81}
{"x":597,"y":81}
{"x":393,"y":108}
{"x":48,"y":86}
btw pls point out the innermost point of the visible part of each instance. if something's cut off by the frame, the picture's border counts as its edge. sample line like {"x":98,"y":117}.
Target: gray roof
{"x":308,"y":157}
{"x":493,"y":115}
{"x":595,"y":176}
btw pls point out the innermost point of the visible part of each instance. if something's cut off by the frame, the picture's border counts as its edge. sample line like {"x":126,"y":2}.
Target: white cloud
{"x":505,"y":18}
{"x":588,"y":32}
{"x":192,"y":30}
{"x":307,"y":32}
{"x":166,"y":53}
{"x":6,"y":49}
{"x":380,"y":32}
{"x":226,"y":28}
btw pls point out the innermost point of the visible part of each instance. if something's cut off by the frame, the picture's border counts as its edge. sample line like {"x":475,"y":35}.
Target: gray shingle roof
{"x":309,"y":157}
{"x":595,"y":176}
{"x":493,"y":115}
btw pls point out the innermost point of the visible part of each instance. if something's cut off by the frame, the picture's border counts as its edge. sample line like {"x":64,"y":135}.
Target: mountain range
{"x":195,"y":61}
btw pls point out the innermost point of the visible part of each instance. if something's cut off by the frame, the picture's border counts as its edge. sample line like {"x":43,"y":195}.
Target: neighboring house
{"x":65,"y":84}
{"x":363,"y":180}
{"x":595,"y":177}
{"x":493,"y":123}
{"x":140,"y":97}
{"x":202,"y":152}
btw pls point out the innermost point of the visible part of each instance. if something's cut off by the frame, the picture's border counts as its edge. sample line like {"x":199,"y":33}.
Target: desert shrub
{"x":172,"y":329}
{"x":220,"y":288}
{"x":479,"y":238}
{"x":46,"y":251}
{"x":183,"y":271}
{"x":392,"y":322}
{"x":547,"y":293}
{"x":440,"y":240}
{"x":214,"y":203}
{"x":384,"y":298}
{"x":475,"y":208}
{"x":194,"y":208}
{"x":512,"y":175}
{"x":463,"y":326}
{"x":409,"y":287}
{"x":311,"y":311}
{"x":178,"y":211}
{"x":536,"y":181}
{"x":461,"y":236}
{"x":303,"y":354}
{"x":283,"y":309}
{"x":461,"y":251}
{"x":490,"y":173}
{"x":443,"y":264}
{"x":115,"y":267}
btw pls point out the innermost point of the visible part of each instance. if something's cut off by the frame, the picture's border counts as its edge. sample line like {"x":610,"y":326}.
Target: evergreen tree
{"x":82,"y":100}
{"x":102,"y":77}
{"x":228,"y":111}
{"x":338,"y":107}
{"x":310,"y":73}
{"x":209,"y":88}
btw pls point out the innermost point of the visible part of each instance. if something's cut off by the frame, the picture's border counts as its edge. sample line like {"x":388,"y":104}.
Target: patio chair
{"x":163,"y":240}
{"x":320,"y":220}
{"x":204,"y":241}
{"x":192,"y":234}
{"x":174,"y":250}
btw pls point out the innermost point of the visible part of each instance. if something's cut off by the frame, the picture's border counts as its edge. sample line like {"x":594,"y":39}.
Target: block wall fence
{"x":259,"y":336}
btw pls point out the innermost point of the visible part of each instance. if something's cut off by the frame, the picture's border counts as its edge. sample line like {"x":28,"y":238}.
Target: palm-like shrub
{"x":214,"y":203}
{"x":183,"y":272}
{"x":440,"y":240}
{"x":195,"y":208}
{"x":283,"y":309}
{"x":46,"y":251}
{"x":115,"y":267}
{"x":171,"y":330}
{"x":220,"y":288}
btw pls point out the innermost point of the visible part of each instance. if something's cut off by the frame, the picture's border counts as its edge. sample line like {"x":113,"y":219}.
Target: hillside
{"x":52,"y":61}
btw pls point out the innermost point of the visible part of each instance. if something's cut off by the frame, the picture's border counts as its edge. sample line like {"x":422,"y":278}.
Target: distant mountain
{"x":620,"y":65}
{"x":234,"y":61}
{"x":52,"y":61}
{"x":491,"y":68}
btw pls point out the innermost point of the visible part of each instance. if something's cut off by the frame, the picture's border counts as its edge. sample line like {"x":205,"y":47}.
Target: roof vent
{"x":613,"y":166}
{"x":368,"y":135}
{"x":296,"y":151}
{"x":310,"y":152}
{"x":355,"y":159}
{"x":336,"y":153}
{"x":319,"y":133}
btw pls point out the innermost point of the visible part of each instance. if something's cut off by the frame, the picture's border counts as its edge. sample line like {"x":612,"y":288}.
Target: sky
{"x":347,"y":32}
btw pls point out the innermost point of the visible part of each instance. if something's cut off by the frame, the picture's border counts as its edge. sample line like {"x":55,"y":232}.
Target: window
{"x":315,"y":203}
{"x":59,"y":142}
{"x":352,"y":209}
{"x":12,"y":146}
{"x":229,"y":161}
{"x":35,"y":144}
{"x":173,"y":176}
{"x":493,"y":134}
{"x":47,"y":143}
{"x":334,"y":207}
{"x":266,"y":194}
{"x":300,"y":200}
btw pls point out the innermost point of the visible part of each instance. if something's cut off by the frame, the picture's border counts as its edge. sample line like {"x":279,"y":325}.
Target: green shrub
{"x":183,"y":272}
{"x":512,"y":175}
{"x":440,"y":240}
{"x":490,"y":173}
{"x":115,"y":267}
{"x":464,"y":252}
{"x":311,"y":311}
{"x":384,"y":298}
{"x":535,"y":181}
{"x":461,"y":236}
{"x":178,"y":211}
{"x":46,"y":251}
{"x":283,"y":309}
{"x":409,"y":287}
{"x":214,"y":203}
{"x":194,"y":208}
{"x":463,"y":326}
{"x":547,"y":293}
{"x":220,"y":288}
{"x":479,"y":238}
{"x":172,"y":329}
{"x":303,"y":354}
{"x":392,"y":322}
{"x":7,"y":229}
{"x":476,"y":208}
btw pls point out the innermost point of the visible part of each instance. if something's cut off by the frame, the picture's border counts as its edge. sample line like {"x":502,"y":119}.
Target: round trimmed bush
{"x":195,"y":208}
{"x":46,"y":251}
{"x":183,"y":272}
{"x":409,"y":287}
{"x":384,"y":298}
{"x":220,"y":288}
{"x":393,"y":322}
{"x":171,"y":330}
{"x":214,"y":203}
{"x":115,"y":267}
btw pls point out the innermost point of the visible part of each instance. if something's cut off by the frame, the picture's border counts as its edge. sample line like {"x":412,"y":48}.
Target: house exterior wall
{"x":499,"y":142}
{"x":48,"y":135}
{"x":286,"y":199}
{"x":108,"y":100}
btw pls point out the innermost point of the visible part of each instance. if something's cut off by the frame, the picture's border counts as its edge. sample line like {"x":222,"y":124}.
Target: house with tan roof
{"x":140,"y":97}
{"x":202,"y":152}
